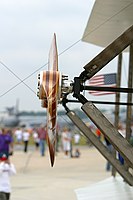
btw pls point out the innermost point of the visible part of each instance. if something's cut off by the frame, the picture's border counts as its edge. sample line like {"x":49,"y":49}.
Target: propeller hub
{"x":66,"y":86}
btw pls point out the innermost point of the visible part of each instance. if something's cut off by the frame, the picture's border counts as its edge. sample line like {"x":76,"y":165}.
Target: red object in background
{"x":98,"y":132}
{"x":3,"y":158}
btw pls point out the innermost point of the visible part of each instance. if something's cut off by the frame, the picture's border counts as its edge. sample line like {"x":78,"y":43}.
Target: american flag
{"x":105,"y":80}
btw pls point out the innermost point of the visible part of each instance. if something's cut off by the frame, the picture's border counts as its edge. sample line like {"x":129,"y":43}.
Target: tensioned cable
{"x":22,"y":80}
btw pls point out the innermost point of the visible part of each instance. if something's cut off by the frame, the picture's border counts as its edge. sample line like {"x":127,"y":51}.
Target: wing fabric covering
{"x":50,"y":100}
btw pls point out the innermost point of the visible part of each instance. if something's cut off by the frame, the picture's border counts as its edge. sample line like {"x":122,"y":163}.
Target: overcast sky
{"x":27,"y":28}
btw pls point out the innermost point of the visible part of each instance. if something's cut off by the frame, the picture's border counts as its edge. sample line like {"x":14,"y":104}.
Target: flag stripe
{"x":106,"y":80}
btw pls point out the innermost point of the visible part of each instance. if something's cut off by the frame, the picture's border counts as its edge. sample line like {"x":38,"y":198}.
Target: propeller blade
{"x":49,"y":94}
{"x":52,"y":85}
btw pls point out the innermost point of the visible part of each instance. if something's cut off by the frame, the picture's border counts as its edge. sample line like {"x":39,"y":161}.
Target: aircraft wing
{"x":109,"y":18}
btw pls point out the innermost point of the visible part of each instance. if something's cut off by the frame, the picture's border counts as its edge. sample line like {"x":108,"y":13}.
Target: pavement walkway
{"x":36,"y":179}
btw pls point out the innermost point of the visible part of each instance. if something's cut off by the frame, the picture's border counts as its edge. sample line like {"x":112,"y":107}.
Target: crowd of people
{"x":67,"y":141}
{"x":22,"y":137}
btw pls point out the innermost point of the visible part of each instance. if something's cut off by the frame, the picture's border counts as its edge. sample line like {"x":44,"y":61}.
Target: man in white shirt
{"x":18,"y":135}
{"x":7,"y":169}
{"x":26,"y":137}
{"x":76,"y":138}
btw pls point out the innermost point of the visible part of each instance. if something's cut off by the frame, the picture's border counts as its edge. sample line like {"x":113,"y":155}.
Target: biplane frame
{"x":119,"y":143}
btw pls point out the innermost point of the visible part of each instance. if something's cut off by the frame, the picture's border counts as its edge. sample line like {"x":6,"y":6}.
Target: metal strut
{"x":101,"y":102}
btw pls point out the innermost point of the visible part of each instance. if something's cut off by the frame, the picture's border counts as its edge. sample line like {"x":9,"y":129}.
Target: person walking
{"x":42,"y":137}
{"x":66,"y":141}
{"x":76,"y":138}
{"x":6,"y":142}
{"x":110,"y":149}
{"x":19,"y":135}
{"x":7,"y":169}
{"x":122,"y":132}
{"x":26,"y":137}
{"x":36,"y":138}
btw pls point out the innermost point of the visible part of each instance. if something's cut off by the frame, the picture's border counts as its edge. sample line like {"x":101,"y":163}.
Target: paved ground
{"x":110,"y":188}
{"x":35,"y":178}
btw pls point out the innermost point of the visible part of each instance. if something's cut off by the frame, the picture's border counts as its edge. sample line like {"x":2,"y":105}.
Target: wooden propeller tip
{"x":51,"y":152}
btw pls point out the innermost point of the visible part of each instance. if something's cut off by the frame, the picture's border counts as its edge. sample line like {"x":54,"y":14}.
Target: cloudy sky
{"x":27,"y":28}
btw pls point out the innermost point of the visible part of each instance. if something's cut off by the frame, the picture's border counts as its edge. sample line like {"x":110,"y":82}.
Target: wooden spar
{"x":109,"y":131}
{"x":100,"y":146}
{"x":110,"y":52}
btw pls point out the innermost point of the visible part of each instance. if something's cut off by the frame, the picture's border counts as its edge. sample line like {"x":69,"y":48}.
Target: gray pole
{"x":117,"y":99}
{"x":129,"y":96}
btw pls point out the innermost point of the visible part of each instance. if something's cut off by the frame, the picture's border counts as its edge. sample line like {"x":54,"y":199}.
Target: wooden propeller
{"x":48,"y":86}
